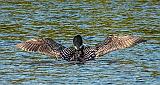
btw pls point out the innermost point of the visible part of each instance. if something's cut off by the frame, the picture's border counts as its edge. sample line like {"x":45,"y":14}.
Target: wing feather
{"x":45,"y":46}
{"x":117,"y":42}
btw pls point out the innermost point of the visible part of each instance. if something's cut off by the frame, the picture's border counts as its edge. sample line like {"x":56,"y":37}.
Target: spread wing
{"x":45,"y":46}
{"x":117,"y":42}
{"x":67,"y":53}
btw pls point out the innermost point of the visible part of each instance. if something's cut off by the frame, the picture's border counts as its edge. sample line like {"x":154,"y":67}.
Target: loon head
{"x":78,"y":43}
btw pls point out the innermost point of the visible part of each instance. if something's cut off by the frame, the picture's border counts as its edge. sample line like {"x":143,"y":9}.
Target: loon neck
{"x":80,"y":48}
{"x":79,"y":55}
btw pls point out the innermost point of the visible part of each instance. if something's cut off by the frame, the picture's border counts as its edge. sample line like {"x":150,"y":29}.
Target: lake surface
{"x":21,"y":20}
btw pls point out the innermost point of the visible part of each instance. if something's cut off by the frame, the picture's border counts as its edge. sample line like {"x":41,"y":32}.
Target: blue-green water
{"x":21,"y":20}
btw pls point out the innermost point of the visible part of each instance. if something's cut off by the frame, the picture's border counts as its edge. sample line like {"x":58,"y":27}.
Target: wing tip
{"x":140,"y":40}
{"x":21,"y":46}
{"x":18,"y":45}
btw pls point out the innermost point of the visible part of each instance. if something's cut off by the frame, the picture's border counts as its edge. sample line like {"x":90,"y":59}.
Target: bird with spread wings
{"x":79,"y":52}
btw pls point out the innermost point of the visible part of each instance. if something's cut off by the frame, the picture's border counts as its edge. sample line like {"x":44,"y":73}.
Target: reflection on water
{"x":61,"y":20}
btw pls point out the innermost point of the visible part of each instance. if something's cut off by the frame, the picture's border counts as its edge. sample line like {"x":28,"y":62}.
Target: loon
{"x":79,"y":53}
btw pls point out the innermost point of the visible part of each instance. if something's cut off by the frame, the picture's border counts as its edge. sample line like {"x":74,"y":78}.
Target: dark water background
{"x":21,"y":20}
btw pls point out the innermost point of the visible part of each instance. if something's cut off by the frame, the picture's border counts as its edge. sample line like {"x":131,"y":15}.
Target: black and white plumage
{"x":79,"y":52}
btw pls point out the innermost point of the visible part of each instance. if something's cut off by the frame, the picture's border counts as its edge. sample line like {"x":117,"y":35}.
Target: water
{"x":21,"y":20}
